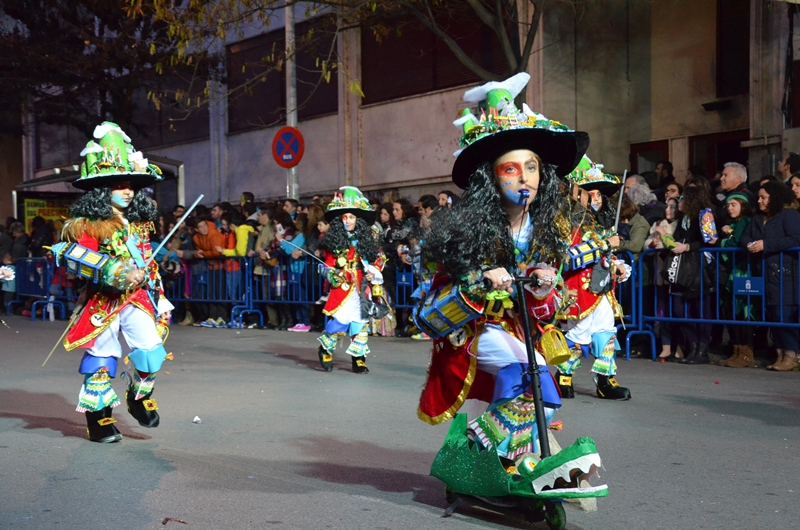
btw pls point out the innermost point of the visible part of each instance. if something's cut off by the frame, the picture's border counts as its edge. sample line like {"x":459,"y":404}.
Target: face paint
{"x":517,"y":175}
{"x":121,"y":198}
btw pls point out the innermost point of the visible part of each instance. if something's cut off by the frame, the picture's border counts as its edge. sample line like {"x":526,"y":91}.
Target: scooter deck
{"x":520,"y":508}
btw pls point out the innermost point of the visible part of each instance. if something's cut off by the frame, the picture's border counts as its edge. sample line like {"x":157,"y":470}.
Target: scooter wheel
{"x":554,"y":516}
{"x":450,"y":496}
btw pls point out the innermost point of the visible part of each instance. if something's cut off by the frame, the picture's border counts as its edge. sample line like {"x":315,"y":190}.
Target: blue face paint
{"x":510,"y":194}
{"x":120,"y":199}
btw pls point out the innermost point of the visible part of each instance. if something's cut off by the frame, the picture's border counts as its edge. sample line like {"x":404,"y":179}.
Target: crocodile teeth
{"x":584,"y":464}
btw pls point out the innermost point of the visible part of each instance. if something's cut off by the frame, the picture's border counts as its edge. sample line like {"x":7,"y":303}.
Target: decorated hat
{"x":110,"y":158}
{"x":350,"y":200}
{"x":501,"y":128}
{"x":590,"y":176}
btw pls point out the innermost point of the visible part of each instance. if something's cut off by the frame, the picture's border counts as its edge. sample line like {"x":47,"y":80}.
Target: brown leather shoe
{"x":746,"y":358}
{"x":733,"y":358}
{"x":788,"y":363}
{"x":777,"y":361}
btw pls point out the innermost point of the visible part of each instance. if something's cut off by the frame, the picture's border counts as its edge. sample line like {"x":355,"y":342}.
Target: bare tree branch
{"x":531,"y":36}
{"x":495,"y":23}
{"x":430,"y":22}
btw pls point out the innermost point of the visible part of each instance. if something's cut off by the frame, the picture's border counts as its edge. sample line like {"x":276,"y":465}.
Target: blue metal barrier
{"x":747,"y":279}
{"x":33,"y":279}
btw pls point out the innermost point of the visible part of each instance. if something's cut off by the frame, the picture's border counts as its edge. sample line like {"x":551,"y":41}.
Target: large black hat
{"x":502,"y":127}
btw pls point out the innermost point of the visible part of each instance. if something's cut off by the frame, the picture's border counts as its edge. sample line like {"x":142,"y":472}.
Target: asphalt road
{"x":283,"y":444}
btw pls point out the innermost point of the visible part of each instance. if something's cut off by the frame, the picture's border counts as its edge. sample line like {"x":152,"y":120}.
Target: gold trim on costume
{"x":330,"y":312}
{"x":462,"y":396}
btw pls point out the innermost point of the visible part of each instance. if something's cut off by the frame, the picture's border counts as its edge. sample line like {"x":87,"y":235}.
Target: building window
{"x":645,"y":156}
{"x":257,"y":79}
{"x":733,"y":47}
{"x":411,"y":60}
{"x":712,"y":151}
{"x":58,"y":145}
{"x":175,"y":122}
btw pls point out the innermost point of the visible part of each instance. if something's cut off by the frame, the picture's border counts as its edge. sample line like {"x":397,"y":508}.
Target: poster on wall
{"x":50,"y":206}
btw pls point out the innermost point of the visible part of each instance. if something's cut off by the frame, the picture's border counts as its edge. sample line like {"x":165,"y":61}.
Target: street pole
{"x":292,"y":177}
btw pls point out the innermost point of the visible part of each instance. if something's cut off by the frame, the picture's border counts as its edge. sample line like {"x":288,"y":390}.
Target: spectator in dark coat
{"x":648,"y":206}
{"x":772,"y":232}
{"x":5,"y":241}
{"x":41,"y":236}
{"x":19,"y":249}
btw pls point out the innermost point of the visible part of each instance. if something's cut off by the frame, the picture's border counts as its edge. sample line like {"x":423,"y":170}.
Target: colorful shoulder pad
{"x":81,"y":261}
{"x":583,"y":254}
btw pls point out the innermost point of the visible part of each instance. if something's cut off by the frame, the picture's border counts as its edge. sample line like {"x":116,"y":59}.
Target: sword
{"x":619,"y":204}
{"x":306,"y":252}
{"x":174,"y":228}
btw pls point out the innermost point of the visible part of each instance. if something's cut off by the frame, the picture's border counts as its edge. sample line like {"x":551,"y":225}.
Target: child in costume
{"x":106,"y":242}
{"x":354,"y":263}
{"x":506,"y":223}
{"x":590,"y":309}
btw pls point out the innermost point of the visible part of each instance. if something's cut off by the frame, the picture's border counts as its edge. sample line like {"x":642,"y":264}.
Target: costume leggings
{"x":603,"y":348}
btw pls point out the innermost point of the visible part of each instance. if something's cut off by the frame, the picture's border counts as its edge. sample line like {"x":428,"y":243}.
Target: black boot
{"x":608,"y":388}
{"x":360,"y":365}
{"x":143,"y":410}
{"x":100,"y":427}
{"x":565,"y":385}
{"x":689,"y":352}
{"x":325,"y":359}
{"x":700,"y":355}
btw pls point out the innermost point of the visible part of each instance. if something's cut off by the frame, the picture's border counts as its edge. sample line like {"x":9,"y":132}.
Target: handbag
{"x":683,"y":271}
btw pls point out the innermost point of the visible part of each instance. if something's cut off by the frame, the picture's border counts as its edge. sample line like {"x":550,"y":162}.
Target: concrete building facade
{"x":641,"y":77}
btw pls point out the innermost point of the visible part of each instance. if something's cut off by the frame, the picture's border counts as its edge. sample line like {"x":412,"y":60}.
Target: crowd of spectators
{"x":204,"y":259}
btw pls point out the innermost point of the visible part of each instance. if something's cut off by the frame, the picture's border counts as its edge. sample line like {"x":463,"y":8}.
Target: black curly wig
{"x":475,"y":233}
{"x":338,"y":239}
{"x":95,"y":205}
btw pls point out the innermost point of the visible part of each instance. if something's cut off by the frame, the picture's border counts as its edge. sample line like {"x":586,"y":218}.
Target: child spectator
{"x":294,"y":246}
{"x":7,"y":278}
{"x":279,"y":278}
{"x":739,"y":213}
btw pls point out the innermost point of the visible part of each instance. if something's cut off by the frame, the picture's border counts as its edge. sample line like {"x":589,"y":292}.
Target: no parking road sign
{"x":288,"y":147}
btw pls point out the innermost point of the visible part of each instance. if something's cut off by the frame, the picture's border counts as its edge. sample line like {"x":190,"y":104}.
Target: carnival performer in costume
{"x":106,"y":242}
{"x":589,"y":307}
{"x":354,"y":263}
{"x":506,"y":223}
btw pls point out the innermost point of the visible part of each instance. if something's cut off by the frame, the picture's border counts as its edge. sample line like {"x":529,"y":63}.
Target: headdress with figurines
{"x":110,"y":158}
{"x":590,"y":176}
{"x":501,"y":127}
{"x":349,"y":199}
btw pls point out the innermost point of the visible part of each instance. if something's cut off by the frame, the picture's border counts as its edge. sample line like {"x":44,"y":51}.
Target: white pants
{"x":138,"y":328}
{"x":599,"y":320}
{"x":497,"y":349}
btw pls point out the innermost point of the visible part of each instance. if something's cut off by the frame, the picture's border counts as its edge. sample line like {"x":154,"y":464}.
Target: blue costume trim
{"x":584,"y":347}
{"x":513,"y":381}
{"x":91,"y":364}
{"x":599,"y":341}
{"x":333,"y":326}
{"x":148,"y":360}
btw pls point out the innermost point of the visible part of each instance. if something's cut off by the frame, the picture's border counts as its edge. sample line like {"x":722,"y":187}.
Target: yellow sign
{"x":55,"y":210}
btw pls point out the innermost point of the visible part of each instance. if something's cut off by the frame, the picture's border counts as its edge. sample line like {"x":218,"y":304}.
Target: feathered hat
{"x":350,"y":200}
{"x":110,"y":158}
{"x":501,"y":128}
